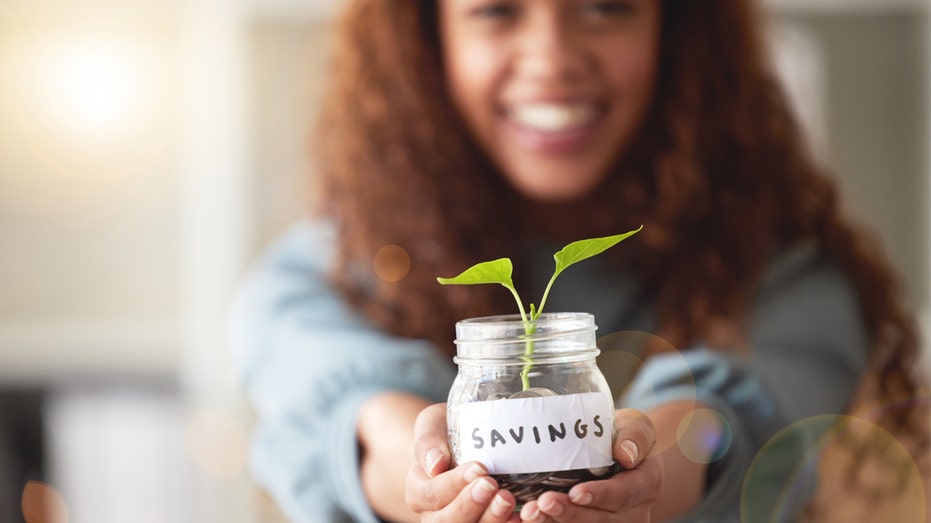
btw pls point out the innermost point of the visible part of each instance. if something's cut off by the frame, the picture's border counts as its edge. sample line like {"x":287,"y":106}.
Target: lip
{"x":562,"y":142}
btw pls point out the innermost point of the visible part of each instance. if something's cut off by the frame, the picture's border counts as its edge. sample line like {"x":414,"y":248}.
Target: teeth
{"x":553,"y":117}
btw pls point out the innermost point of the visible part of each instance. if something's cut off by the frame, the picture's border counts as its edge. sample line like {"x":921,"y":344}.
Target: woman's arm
{"x":681,"y":426}
{"x":386,"y":447}
{"x":310,"y":367}
{"x":804,"y":358}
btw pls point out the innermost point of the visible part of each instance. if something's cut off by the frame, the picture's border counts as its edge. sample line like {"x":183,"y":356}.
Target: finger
{"x":557,"y":508}
{"x":476,"y":502}
{"x":425,"y":494}
{"x":430,"y":443}
{"x":501,"y":509}
{"x":531,"y":513}
{"x":623,"y":491}
{"x":634,"y":438}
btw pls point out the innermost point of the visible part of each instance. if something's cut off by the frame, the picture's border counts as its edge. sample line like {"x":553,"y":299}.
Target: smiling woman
{"x":467,"y":130}
{"x":552,"y":92}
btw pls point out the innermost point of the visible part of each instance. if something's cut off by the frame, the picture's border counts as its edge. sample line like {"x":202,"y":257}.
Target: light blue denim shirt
{"x":307,"y":362}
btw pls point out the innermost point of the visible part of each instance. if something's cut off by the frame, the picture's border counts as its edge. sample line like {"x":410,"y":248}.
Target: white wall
{"x":118,"y":454}
{"x":874,"y":73}
{"x":122,"y":235}
{"x":88,"y":200}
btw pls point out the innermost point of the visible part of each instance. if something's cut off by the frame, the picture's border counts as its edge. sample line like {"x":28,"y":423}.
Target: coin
{"x":534,"y":392}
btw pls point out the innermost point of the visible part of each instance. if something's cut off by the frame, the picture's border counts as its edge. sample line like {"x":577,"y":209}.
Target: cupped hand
{"x":464,"y":494}
{"x":628,"y":496}
{"x":467,"y":494}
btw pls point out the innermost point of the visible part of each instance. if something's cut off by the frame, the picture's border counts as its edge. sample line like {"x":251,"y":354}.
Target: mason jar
{"x":530,"y":403}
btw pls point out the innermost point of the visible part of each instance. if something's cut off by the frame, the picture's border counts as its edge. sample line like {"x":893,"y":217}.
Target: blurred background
{"x":149,"y":149}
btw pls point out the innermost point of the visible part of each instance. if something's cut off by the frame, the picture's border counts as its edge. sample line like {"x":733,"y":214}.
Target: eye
{"x":494,"y":11}
{"x":609,"y":8}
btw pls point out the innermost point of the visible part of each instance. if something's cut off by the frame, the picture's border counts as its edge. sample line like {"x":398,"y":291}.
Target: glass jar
{"x":530,"y":403}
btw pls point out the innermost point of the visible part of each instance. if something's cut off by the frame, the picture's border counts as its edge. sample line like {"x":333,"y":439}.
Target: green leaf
{"x":584,"y":249}
{"x":495,"y":271}
{"x":578,"y":251}
{"x":499,"y":271}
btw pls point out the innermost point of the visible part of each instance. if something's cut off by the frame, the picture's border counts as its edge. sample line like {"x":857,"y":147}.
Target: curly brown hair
{"x":719,"y":176}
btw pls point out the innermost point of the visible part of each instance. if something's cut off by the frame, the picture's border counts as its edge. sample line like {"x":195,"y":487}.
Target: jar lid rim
{"x":510,"y":318}
{"x":507,"y":329}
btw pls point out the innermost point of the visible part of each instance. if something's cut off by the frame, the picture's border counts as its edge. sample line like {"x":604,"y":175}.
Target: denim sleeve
{"x":307,"y":363}
{"x":807,"y":353}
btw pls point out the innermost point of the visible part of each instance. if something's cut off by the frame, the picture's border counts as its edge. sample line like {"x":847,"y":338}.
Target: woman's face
{"x":553,"y":90}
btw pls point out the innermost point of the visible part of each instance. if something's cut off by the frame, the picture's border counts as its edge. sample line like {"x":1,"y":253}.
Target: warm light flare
{"x":89,"y":102}
{"x":392,"y":263}
{"x":94,"y":84}
{"x":216,"y":443}
{"x":41,"y":503}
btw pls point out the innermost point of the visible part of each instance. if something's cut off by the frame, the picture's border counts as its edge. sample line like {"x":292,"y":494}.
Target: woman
{"x":457,"y":131}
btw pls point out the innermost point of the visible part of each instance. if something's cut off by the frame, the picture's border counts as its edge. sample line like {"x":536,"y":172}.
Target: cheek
{"x":633,"y":72}
{"x":630,"y":60}
{"x":471,"y":72}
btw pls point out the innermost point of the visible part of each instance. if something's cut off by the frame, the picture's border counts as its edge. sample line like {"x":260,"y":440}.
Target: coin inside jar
{"x":533,"y":392}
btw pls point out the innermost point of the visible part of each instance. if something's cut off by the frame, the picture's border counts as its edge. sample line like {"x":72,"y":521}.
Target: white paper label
{"x":517,"y":436}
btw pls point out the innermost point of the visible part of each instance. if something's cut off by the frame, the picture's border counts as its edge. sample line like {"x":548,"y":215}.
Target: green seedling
{"x":499,"y":271}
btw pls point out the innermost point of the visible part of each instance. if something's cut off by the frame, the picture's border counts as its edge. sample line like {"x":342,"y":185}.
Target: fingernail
{"x":501,"y":507}
{"x":529,"y":513}
{"x":550,"y":506}
{"x":630,"y":448}
{"x":432,"y":459}
{"x":482,"y":490}
{"x":474,"y":471}
{"x":580,"y":498}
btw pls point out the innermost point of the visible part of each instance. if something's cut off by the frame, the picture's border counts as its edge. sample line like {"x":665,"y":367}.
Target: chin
{"x":550,"y":194}
{"x":545,"y":182}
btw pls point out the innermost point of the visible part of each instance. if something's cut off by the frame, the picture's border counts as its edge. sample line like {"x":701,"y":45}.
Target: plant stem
{"x":545,"y":294}
{"x":520,"y":306}
{"x":530,"y":328}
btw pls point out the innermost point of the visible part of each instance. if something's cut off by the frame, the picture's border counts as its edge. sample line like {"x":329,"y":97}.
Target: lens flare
{"x":91,"y":85}
{"x":217,"y":444}
{"x":623,"y":355}
{"x":833,"y":468}
{"x":704,"y":436}
{"x":11,"y":39}
{"x":392,"y":263}
{"x":43,"y":504}
{"x":94,"y":102}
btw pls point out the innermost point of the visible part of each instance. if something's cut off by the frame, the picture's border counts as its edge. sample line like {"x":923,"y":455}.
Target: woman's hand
{"x":467,"y":494}
{"x":464,"y":494}
{"x":628,"y":496}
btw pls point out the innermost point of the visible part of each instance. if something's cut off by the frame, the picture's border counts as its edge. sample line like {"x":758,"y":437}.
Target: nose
{"x":551,"y":49}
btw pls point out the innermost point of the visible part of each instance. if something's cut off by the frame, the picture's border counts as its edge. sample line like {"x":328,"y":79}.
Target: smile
{"x":553,"y":117}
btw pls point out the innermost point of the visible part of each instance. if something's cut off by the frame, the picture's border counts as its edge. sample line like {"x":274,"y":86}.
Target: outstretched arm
{"x":386,"y":436}
{"x":316,"y":373}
